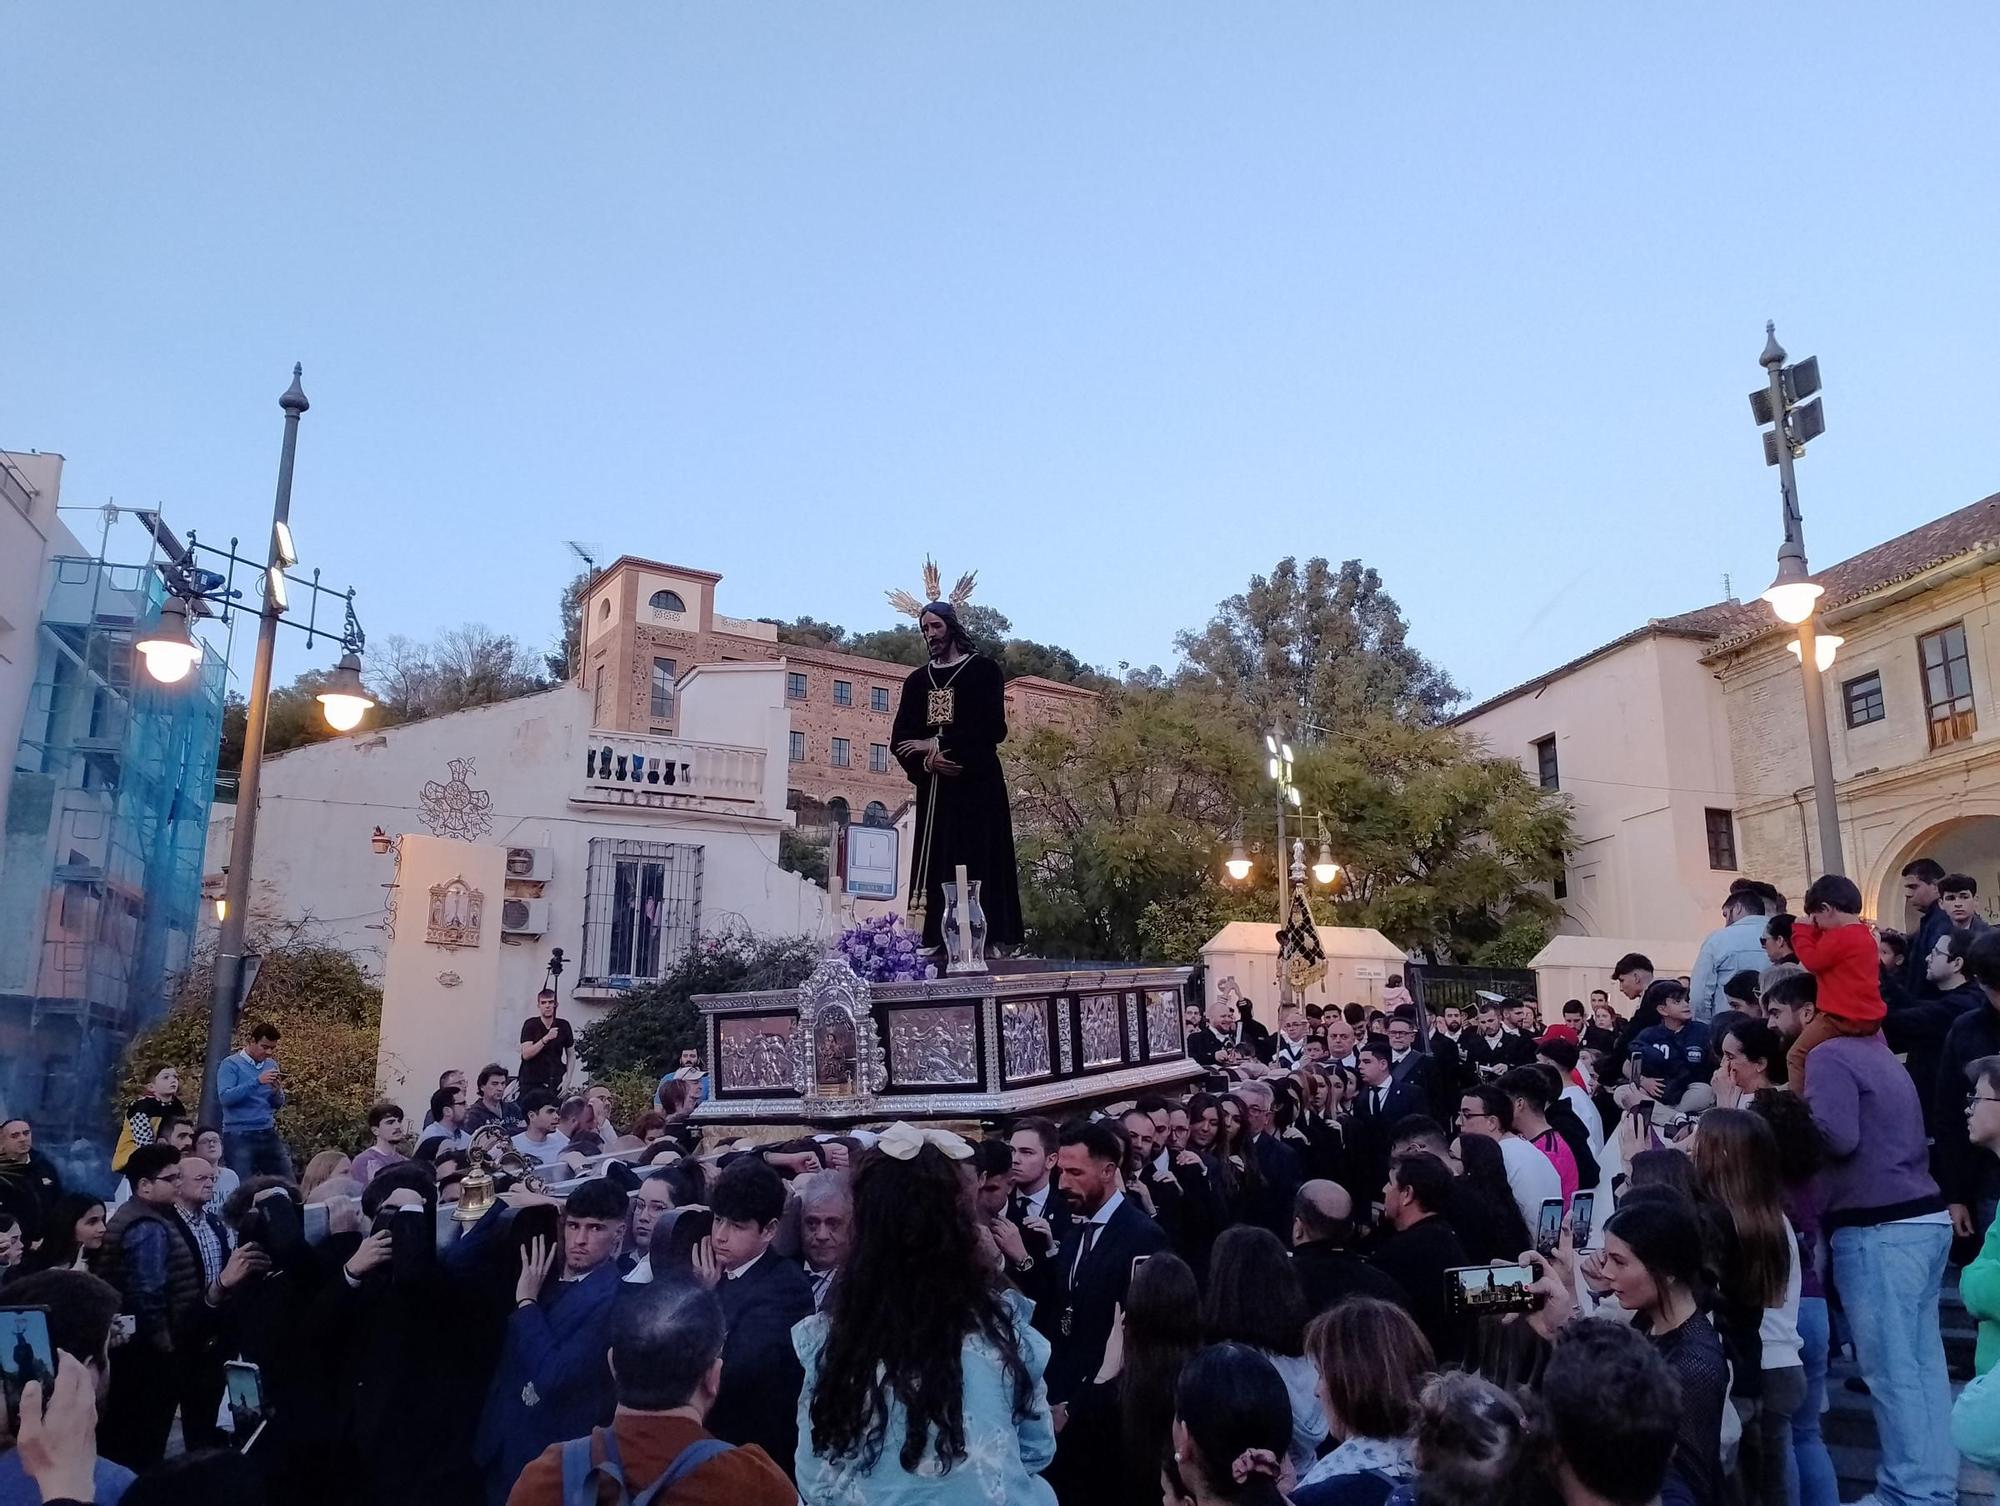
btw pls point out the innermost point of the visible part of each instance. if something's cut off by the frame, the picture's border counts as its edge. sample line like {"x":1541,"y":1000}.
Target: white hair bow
{"x":903,"y":1140}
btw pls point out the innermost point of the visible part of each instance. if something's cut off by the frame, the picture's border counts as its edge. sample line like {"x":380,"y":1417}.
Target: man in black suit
{"x":1091,"y":1278}
{"x":762,"y":1296}
{"x":1448,"y":1042}
{"x":1277,"y":1164}
{"x":1174,"y":1189}
{"x":1408,"y":1065}
{"x":1382,"y":1103}
{"x":1202,"y":1043}
{"x":1420,"y":1246}
{"x":1322,"y":1225}
{"x":1495,"y":1049}
{"x":1039,"y":1210}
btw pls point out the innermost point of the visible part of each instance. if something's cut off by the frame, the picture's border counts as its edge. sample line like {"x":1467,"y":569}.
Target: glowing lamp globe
{"x":169,"y":650}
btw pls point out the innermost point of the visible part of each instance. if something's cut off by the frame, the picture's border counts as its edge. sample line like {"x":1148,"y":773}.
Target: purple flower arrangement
{"x":884,"y":950}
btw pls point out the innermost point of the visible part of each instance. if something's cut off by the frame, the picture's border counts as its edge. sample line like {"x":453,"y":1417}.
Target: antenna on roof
{"x":1728,"y":590}
{"x":585,"y":552}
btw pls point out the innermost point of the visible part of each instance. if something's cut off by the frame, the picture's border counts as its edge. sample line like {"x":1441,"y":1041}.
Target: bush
{"x":647,"y":1029}
{"x":329,"y":1016}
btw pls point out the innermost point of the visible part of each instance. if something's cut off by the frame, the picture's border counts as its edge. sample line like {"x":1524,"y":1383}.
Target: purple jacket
{"x":1878,"y":1162}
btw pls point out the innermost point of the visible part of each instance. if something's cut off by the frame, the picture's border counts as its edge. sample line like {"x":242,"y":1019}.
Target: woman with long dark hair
{"x":72,"y":1236}
{"x":1484,"y":1212}
{"x":1654,"y":1264}
{"x":1121,"y":1423}
{"x":1801,"y":1153}
{"x":1232,"y":1425}
{"x":1737,"y":1157}
{"x":1233,"y":1149}
{"x":923,"y":1378}
{"x":1254,"y":1298}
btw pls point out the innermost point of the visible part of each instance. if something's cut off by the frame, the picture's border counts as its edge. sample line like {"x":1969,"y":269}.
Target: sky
{"x":1117,"y":304}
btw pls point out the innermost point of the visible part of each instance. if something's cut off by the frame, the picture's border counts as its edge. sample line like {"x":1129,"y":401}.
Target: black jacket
{"x":27,"y":1189}
{"x":1418,"y":1257}
{"x":1917,"y":1029}
{"x":1328,"y":1274}
{"x":1269,"y":1204}
{"x":1369,"y":1133}
{"x":1965,"y":1174}
{"x":1487,"y":1059}
{"x":1203,"y":1044}
{"x":1087,"y":1294}
{"x":761,"y":1375}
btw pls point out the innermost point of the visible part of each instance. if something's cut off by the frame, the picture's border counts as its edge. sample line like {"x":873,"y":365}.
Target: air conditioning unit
{"x":530,"y":863}
{"x":524,"y":917}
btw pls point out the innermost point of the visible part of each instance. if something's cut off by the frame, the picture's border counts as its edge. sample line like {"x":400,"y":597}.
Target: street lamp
{"x":1325,"y":871}
{"x":1790,"y":422}
{"x":170,"y":651}
{"x":1238,"y":863}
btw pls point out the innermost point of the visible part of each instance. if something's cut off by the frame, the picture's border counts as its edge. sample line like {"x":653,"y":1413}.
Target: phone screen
{"x":1475,"y":1289}
{"x":25,"y":1355}
{"x":1582,"y":1210}
{"x":1548,"y":1227}
{"x":243,"y":1385}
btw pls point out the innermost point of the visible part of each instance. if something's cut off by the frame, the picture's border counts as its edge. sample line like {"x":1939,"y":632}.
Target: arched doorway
{"x":1968,"y":844}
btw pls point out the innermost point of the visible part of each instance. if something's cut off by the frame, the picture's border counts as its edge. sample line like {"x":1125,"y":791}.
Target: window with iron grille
{"x":641,"y":907}
{"x":1545,"y":763}
{"x":1721,"y":838}
{"x":839,"y":757}
{"x":798,"y":747}
{"x":795,"y":686}
{"x":1947,"y":685}
{"x":663,"y":689}
{"x":878,"y":758}
{"x":843,"y":692}
{"x":878,"y":698}
{"x":1863,"y":697}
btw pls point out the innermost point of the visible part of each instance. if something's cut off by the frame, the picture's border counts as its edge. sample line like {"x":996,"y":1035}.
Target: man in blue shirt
{"x":1737,"y":946}
{"x":251,"y":1094}
{"x":80,"y":1311}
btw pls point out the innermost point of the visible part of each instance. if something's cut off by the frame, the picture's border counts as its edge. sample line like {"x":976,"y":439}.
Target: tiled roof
{"x":1732,"y":623}
{"x":1907,"y":555}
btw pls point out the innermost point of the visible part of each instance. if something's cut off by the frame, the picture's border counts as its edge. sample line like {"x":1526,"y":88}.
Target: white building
{"x":512,"y":829}
{"x":30,"y":536}
{"x":1635,"y":735}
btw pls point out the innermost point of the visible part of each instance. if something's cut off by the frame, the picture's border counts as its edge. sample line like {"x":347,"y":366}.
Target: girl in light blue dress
{"x":923,"y":1378}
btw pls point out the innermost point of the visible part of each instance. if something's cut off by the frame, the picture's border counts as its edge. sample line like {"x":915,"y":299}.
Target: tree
{"x":809,"y":632}
{"x":469,"y":665}
{"x":563,"y":661}
{"x":1125,"y":815}
{"x":329,"y":1014}
{"x":901,"y":644}
{"x":646,"y":1030}
{"x":1446,"y":849}
{"x":1316,"y":652}
{"x":293,"y":719}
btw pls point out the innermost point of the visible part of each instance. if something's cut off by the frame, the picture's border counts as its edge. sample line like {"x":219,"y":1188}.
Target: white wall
{"x":30,"y":534}
{"x":321,"y":804}
{"x":1642,"y":750}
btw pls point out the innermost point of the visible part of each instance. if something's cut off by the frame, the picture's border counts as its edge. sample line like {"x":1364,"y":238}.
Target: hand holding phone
{"x":1548,"y":1226}
{"x":1582,"y":1213}
{"x":56,"y":1433}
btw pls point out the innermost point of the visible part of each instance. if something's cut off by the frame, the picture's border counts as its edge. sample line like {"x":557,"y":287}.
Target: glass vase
{"x":960,"y":958}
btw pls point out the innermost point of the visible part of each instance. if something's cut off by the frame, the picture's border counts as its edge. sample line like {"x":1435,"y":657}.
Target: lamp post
{"x":1789,"y":423}
{"x":170,"y":650}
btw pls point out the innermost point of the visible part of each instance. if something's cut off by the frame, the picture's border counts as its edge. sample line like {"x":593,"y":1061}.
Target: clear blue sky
{"x":1118,"y":303}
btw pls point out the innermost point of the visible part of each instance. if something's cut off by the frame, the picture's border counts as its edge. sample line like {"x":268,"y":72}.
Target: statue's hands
{"x":937,"y":763}
{"x":914,"y":747}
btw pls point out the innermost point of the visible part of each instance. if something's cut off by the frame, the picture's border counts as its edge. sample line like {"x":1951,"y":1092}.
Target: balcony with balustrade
{"x":669,"y":773}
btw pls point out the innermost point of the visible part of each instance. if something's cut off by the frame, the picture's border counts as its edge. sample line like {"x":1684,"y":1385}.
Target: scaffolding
{"x":106,"y":824}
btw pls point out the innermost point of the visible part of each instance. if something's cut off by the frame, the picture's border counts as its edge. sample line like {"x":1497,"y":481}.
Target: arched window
{"x":877,"y":814}
{"x":836,"y":810}
{"x":667,"y":601}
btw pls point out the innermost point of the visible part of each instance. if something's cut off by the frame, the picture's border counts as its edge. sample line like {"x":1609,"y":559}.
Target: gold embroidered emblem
{"x":939,"y":706}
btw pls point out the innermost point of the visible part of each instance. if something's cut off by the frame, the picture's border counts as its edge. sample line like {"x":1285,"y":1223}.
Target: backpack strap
{"x":685,"y":1463}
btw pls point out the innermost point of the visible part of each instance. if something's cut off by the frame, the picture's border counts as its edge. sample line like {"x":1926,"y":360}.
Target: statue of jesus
{"x":949,"y":727}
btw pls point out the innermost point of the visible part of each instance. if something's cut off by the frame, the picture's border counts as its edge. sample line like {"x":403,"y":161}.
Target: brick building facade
{"x":645,"y":624}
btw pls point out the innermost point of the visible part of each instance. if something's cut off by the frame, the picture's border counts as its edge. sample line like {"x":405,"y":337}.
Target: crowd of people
{"x":1425,"y":1257}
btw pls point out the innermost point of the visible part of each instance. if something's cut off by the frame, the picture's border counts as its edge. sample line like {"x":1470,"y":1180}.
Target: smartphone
{"x":1137,"y":1261}
{"x":1472,"y":1291}
{"x":1549,"y":1225}
{"x":314,"y":1222}
{"x":25,"y":1355}
{"x":1582,"y":1211}
{"x":243,"y":1385}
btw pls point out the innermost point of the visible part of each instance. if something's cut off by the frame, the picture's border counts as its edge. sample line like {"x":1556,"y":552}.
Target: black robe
{"x":962,"y":818}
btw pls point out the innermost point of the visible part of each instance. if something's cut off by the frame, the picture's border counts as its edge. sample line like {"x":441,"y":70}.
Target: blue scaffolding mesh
{"x":100,"y":884}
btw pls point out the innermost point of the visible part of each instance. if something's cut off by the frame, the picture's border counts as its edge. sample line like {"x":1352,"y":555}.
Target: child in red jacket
{"x":1838,"y":949}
